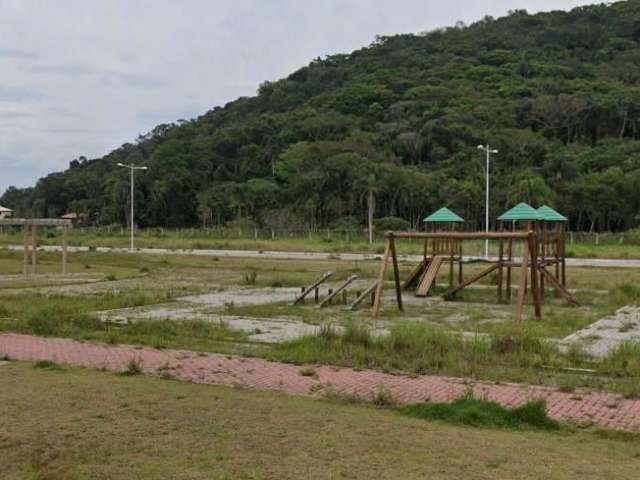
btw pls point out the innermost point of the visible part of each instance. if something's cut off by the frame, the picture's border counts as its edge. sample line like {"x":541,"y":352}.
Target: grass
{"x":332,"y":242}
{"x":88,"y":424}
{"x":69,"y":316}
{"x":511,"y":353}
{"x":475,"y":412}
{"x":496,"y":352}
{"x":418,"y":349}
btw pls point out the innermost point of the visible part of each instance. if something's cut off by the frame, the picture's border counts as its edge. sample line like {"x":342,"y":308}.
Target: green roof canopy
{"x":550,"y":215}
{"x":444,"y":215}
{"x":522,"y":211}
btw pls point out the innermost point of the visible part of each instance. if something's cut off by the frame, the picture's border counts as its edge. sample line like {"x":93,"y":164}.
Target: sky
{"x":82,"y":77}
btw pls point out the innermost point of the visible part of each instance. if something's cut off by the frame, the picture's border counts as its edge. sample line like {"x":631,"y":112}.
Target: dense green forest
{"x":395,"y":126}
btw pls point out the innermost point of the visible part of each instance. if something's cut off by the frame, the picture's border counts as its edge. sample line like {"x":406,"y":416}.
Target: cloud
{"x":112,"y":78}
{"x":18,"y":54}
{"x":14,"y":115}
{"x":69,"y":70}
{"x":17,"y":94}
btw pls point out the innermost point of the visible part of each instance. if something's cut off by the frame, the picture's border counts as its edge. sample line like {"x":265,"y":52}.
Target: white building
{"x":5,"y":212}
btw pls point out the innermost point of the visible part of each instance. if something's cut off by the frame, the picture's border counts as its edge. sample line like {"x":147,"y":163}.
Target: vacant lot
{"x":242,"y":306}
{"x":86,"y":424}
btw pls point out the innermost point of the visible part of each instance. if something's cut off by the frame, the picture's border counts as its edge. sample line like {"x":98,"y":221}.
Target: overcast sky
{"x":83,"y":77}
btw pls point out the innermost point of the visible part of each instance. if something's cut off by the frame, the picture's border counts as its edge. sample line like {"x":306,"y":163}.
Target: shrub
{"x":47,"y":365}
{"x":134,"y":367}
{"x":250,"y":277}
{"x":391,"y":223}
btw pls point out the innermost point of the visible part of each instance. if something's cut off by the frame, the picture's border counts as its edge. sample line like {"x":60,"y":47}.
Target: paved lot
{"x":602,"y":409}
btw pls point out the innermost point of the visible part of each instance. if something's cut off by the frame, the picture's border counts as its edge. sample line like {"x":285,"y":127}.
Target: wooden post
{"x":523,"y":282}
{"x":543,"y":253}
{"x":452,"y":253}
{"x":563,"y":257}
{"x":500,"y":262}
{"x":396,"y":272}
{"x":533,"y":246}
{"x":460,"y":265}
{"x":557,"y":257}
{"x":377,"y":302}
{"x":25,"y":259}
{"x":64,"y":249}
{"x":510,"y":260}
{"x":34,"y":253}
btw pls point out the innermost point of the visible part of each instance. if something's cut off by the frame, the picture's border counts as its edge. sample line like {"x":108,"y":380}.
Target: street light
{"x":487,"y":149}
{"x":132,"y":168}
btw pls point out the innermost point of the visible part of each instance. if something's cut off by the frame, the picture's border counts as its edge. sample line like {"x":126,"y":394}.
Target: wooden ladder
{"x":429,"y":276}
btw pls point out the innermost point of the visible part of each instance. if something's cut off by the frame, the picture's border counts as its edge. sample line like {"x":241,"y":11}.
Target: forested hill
{"x":398,"y":121}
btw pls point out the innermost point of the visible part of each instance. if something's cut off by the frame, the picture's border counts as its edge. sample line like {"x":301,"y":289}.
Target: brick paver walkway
{"x":603,"y":409}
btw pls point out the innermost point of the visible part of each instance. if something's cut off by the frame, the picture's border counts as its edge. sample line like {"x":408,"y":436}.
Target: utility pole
{"x":487,"y":149}
{"x":132,"y":168}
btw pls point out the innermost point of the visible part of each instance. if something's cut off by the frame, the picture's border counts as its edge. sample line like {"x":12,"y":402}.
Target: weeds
{"x":250,"y":278}
{"x":383,"y":397}
{"x":47,"y":365}
{"x":307,"y":372}
{"x":417,"y":349}
{"x":134,"y":367}
{"x":473,"y":412}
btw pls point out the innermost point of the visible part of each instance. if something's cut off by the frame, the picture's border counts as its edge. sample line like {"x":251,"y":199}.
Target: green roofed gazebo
{"x":548,"y":214}
{"x":522,"y":211}
{"x":444,"y":215}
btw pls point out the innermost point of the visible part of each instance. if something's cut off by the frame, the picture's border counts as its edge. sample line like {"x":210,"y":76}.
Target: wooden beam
{"x":500,"y":269}
{"x":460,"y":235}
{"x":533,"y":247}
{"x":362,"y":297}
{"x":335,"y":293}
{"x":523,"y":284}
{"x":377,"y":303}
{"x":473,"y":279}
{"x":559,"y":287}
{"x":415,"y":273}
{"x":396,"y":272}
{"x":310,"y":289}
{"x":510,"y":259}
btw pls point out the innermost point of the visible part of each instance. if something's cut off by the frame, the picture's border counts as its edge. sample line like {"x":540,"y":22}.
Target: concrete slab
{"x":608,"y":333}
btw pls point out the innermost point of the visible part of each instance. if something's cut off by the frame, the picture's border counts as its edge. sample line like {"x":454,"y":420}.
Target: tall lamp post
{"x":487,"y":149}
{"x":132,"y":168}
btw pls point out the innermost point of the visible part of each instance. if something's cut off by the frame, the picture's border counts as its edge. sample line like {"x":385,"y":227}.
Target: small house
{"x":5,"y":212}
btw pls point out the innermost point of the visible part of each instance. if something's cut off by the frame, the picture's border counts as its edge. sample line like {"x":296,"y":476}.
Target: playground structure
{"x":539,"y":233}
{"x":30,"y":232}
{"x":542,"y":248}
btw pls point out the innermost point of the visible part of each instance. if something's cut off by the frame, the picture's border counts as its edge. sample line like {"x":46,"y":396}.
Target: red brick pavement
{"x":602,"y":409}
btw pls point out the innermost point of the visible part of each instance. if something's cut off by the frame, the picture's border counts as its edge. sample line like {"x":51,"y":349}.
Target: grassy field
{"x":92,"y":425}
{"x":425,"y":338}
{"x":611,"y":245}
